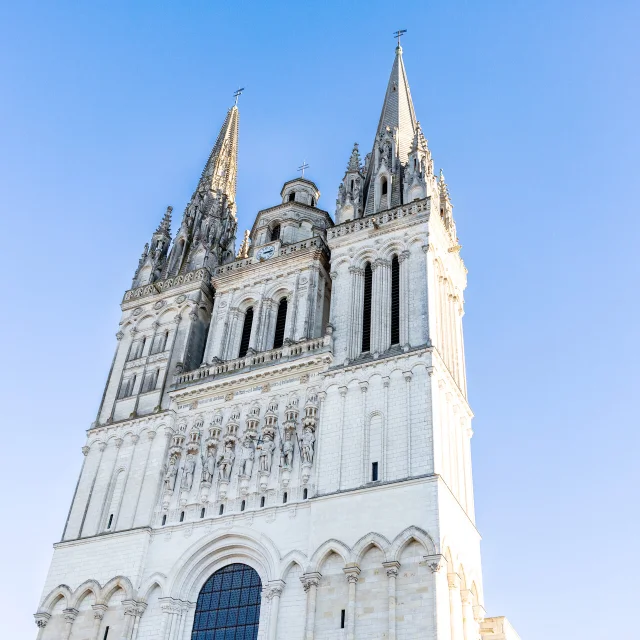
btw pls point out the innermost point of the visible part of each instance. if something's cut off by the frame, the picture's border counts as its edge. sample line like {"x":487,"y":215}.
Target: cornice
{"x":200,"y":278}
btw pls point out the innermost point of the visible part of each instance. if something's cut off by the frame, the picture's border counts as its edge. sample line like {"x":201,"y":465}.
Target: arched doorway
{"x":229,"y":605}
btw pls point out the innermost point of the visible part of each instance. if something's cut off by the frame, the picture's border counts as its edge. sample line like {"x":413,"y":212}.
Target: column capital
{"x":364,"y":386}
{"x":273,"y":589}
{"x":467,"y":597}
{"x":310,"y":579}
{"x":403,"y":256}
{"x":392,"y":568}
{"x":454,"y":580}
{"x":352,"y":571}
{"x":435,"y":562}
{"x":99,"y":610}
{"x":70,"y":615}
{"x":408,"y":375}
{"x":343,"y":391}
{"x":479,"y":612}
{"x":41,"y":618}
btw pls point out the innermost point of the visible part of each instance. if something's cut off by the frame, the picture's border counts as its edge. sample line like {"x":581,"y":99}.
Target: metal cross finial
{"x":398,"y":34}
{"x":303,"y":166}
{"x":237,"y":94}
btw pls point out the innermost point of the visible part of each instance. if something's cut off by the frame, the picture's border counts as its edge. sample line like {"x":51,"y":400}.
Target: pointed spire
{"x":220,"y":172}
{"x":397,"y":109}
{"x":164,"y":227}
{"x":394,"y":138}
{"x":354,"y":160}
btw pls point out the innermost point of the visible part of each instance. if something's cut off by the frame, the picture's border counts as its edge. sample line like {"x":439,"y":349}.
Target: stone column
{"x":274,"y":591}
{"x":98,"y":613}
{"x":352,"y":572}
{"x":404,"y":299}
{"x":392,"y":573}
{"x":469,"y":624}
{"x":165,"y":625}
{"x":140,"y":609}
{"x":41,"y":621}
{"x":455,"y":606}
{"x":69,"y":617}
{"x":310,"y":584}
{"x":130,"y":613}
{"x":408,"y":376}
{"x":441,"y":615}
{"x":355,"y":324}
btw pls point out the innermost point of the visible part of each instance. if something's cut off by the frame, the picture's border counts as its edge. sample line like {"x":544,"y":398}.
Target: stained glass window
{"x":228,"y":605}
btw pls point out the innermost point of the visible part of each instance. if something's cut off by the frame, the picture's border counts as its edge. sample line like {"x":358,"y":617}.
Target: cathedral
{"x":282,"y":448}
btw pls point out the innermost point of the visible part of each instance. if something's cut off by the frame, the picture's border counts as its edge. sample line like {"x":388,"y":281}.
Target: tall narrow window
{"x":202,"y":512}
{"x":292,"y":197}
{"x":384,"y":186}
{"x":395,"y":300}
{"x":262,"y":501}
{"x":182,"y":516}
{"x":221,"y":510}
{"x":281,"y":321}
{"x":164,"y":519}
{"x":106,"y":634}
{"x":374,"y":472}
{"x":313,"y":201}
{"x":342,"y":618}
{"x":110,"y":521}
{"x":284,"y":498}
{"x":275,"y":233}
{"x":246,"y":333}
{"x":366,"y":310}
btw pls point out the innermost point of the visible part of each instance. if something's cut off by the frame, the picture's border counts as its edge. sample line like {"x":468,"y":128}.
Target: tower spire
{"x":394,"y":137}
{"x":208,"y":231}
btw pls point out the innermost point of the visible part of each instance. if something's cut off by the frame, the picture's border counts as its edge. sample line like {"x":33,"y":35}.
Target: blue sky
{"x":107,"y":114}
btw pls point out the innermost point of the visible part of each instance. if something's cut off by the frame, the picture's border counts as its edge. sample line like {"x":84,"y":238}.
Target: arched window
{"x":292,"y":196}
{"x":246,"y":333}
{"x":384,"y":186}
{"x":366,"y":310}
{"x":229,"y":604}
{"x":313,"y":201}
{"x":395,"y":300}
{"x":281,"y":321}
{"x":275,"y":233}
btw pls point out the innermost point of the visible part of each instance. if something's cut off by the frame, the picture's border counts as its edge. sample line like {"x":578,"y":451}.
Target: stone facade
{"x":299,"y":408}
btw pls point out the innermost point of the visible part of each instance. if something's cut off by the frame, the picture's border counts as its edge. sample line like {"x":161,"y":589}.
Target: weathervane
{"x":237,"y":94}
{"x":398,"y":34}
{"x":303,"y":166}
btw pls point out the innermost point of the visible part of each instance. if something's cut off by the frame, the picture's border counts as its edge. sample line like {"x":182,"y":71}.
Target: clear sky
{"x":108,"y":111}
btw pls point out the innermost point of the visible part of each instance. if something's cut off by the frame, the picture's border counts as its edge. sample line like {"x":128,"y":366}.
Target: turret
{"x":207,"y":235}
{"x":349,"y":203}
{"x":154,"y":256}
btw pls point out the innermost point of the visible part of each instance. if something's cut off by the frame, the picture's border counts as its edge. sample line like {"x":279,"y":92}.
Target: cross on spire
{"x":237,"y":93}
{"x":398,"y":34}
{"x":303,"y":166}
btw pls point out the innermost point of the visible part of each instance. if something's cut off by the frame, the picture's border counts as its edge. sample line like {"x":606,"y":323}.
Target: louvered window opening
{"x":246,"y":333}
{"x":395,"y":300}
{"x":281,"y":321}
{"x":366,"y":310}
{"x":275,"y":233}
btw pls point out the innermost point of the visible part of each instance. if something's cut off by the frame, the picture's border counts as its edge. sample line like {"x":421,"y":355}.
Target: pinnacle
{"x":165,"y":224}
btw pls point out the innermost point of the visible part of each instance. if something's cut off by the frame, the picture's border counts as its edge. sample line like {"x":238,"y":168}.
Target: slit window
{"x":366,"y":309}
{"x":182,"y":516}
{"x":284,"y":498}
{"x":343,"y":616}
{"x":221,"y":510}
{"x":110,"y":521}
{"x":374,"y":471}
{"x":246,"y":333}
{"x":243,"y":504}
{"x":305,"y":494}
{"x":106,"y":634}
{"x":395,"y":300}
{"x":281,"y":321}
{"x":202,"y":512}
{"x":262,"y":501}
{"x":164,"y":519}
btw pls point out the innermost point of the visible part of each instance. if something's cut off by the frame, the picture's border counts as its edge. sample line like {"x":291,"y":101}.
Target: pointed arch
{"x":330,"y":546}
{"x":406,"y":536}
{"x":119,"y":582}
{"x":366,"y":542}
{"x":156,"y":579}
{"x":292,"y":559}
{"x":50,"y":601}
{"x":89,"y":586}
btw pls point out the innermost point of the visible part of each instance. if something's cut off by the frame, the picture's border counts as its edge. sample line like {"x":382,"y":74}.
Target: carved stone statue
{"x":286,"y":455}
{"x":189,"y":469}
{"x":308,"y":440}
{"x":225,"y":462}
{"x":247,"y":455}
{"x":170,"y":475}
{"x":266,"y":448}
{"x":208,"y":466}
